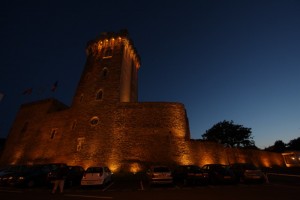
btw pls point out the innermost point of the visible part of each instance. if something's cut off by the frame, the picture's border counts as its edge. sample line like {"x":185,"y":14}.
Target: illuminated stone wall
{"x":127,"y":136}
{"x":124,"y":135}
{"x":208,"y":152}
{"x":134,"y":134}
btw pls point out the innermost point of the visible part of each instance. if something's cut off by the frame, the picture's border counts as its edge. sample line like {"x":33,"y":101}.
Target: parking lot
{"x":135,"y":186}
{"x":138,"y":190}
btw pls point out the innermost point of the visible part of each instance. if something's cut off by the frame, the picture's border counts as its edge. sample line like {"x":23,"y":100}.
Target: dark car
{"x":219,"y":173}
{"x":247,"y":172}
{"x":35,"y":175}
{"x":6,"y":173}
{"x":189,"y":174}
{"x":75,"y":174}
{"x":53,"y":170}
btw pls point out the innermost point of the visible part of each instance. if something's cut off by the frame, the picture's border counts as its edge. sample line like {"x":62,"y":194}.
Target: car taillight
{"x":100,"y":174}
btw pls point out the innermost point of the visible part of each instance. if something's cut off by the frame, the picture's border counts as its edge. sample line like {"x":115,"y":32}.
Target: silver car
{"x":247,"y":172}
{"x":96,"y":176}
{"x":159,"y":175}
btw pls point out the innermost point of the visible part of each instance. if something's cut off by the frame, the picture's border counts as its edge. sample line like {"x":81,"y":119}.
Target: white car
{"x":159,"y":175}
{"x":96,"y":176}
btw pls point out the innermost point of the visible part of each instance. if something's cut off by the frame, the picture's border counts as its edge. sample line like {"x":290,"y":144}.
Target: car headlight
{"x":21,"y":178}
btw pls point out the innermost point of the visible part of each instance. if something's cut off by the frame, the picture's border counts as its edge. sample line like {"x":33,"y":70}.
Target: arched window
{"x":99,"y":95}
{"x":104,"y":72}
{"x":108,"y":53}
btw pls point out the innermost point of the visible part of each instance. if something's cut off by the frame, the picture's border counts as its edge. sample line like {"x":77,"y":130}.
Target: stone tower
{"x":111,"y":71}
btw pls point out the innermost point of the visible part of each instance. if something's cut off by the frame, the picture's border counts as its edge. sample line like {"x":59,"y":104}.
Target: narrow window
{"x":81,"y":98}
{"x":99,"y":95}
{"x":87,"y":77}
{"x":104,"y":72}
{"x":74,"y":125}
{"x":24,"y":128}
{"x":53,"y":133}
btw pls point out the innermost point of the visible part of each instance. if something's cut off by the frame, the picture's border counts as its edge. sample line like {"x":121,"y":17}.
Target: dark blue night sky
{"x":224,"y":60}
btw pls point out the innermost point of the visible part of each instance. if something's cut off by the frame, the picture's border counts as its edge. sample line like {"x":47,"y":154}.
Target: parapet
{"x":47,"y":105}
{"x":109,"y":40}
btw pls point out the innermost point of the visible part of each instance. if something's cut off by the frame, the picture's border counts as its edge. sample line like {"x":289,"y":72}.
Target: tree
{"x":294,"y":144}
{"x":229,"y":134}
{"x":279,"y":146}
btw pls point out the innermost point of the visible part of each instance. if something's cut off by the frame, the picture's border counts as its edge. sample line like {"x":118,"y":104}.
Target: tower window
{"x":53,"y":133}
{"x":87,"y":76}
{"x":108,"y":53}
{"x":24,"y":128}
{"x":104,"y":72}
{"x":74,"y":125}
{"x":81,"y":98}
{"x":94,"y":121}
{"x":99,"y":95}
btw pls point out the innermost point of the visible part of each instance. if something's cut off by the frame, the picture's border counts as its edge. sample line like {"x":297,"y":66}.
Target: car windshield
{"x":194,"y":169}
{"x":250,"y":167}
{"x":161,"y":169}
{"x":94,"y":170}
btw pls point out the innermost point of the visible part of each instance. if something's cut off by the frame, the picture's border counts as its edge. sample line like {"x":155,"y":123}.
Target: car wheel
{"x":31,"y":183}
{"x":212,"y":180}
{"x":70,"y":183}
{"x":185,"y":181}
{"x":242,"y":180}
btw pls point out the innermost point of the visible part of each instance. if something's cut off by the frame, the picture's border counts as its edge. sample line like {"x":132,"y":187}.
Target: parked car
{"x":247,"y":172}
{"x":7,"y":173}
{"x":53,"y":170}
{"x":6,"y":169}
{"x":219,"y":173}
{"x":73,"y":177}
{"x":35,"y":175}
{"x":75,"y":174}
{"x":96,"y":176}
{"x":159,"y":175}
{"x":189,"y":174}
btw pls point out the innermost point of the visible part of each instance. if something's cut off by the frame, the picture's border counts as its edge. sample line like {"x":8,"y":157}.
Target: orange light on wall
{"x":114,"y":167}
{"x":17,"y":157}
{"x":134,"y":168}
{"x":207,"y":159}
{"x":185,"y":160}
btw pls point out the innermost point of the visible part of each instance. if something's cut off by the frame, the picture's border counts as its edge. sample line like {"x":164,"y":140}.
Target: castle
{"x":106,"y":124}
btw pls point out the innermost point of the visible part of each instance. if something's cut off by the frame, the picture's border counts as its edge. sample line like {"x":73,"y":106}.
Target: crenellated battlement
{"x":105,"y":45}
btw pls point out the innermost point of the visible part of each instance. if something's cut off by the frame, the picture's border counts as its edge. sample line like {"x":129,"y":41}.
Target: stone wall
{"x":125,"y":136}
{"x":208,"y":152}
